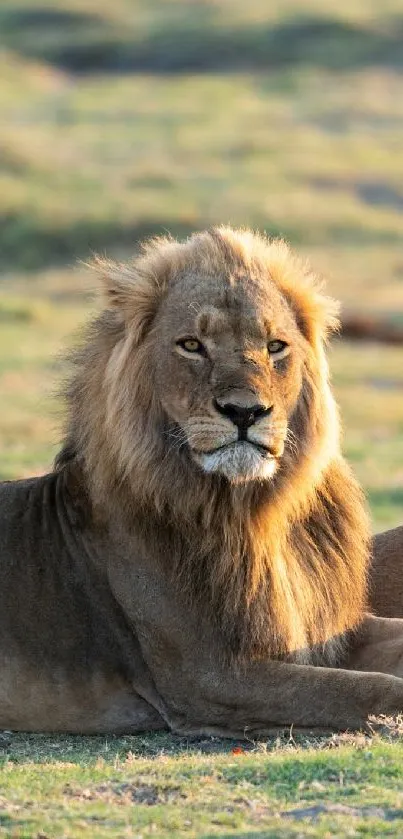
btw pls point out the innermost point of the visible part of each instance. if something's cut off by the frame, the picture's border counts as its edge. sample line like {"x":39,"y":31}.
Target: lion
{"x":386,"y":574}
{"x":198,"y":558}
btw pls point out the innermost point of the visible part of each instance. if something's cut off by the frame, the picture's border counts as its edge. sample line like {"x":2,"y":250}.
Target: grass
{"x":163,"y":787}
{"x":97,"y":159}
{"x":135,"y":117}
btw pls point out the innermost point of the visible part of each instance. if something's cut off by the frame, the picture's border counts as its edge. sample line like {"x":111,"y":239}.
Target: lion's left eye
{"x":192,"y":345}
{"x":275,"y":347}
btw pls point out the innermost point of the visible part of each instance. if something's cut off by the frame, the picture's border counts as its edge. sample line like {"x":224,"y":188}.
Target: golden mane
{"x":280,"y":566}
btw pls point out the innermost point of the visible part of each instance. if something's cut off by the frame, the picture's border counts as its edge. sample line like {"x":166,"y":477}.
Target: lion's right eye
{"x":192,"y":345}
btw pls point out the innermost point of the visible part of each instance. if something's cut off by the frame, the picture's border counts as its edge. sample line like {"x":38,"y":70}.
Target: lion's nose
{"x":243,"y":417}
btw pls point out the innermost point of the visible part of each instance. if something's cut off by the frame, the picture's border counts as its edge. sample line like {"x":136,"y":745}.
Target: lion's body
{"x":182,"y":568}
{"x":386,"y":574}
{"x":68,"y":656}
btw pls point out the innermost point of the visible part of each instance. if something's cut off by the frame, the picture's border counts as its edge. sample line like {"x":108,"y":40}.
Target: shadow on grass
{"x":242,"y":835}
{"x":48,"y":748}
{"x":374,"y":193}
{"x":27,"y":243}
{"x":6,"y":821}
{"x":83,"y":43}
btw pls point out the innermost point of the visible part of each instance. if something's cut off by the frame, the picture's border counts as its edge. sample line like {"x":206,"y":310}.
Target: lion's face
{"x":208,"y":355}
{"x":229,"y":365}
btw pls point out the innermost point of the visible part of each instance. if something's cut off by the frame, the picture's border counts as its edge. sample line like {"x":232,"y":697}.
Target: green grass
{"x":134,"y":117}
{"x":104,"y":163}
{"x":296,"y":142}
{"x":165,"y":787}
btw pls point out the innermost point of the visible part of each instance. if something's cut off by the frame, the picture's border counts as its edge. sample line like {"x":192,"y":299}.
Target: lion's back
{"x":26,"y":541}
{"x":21,"y":510}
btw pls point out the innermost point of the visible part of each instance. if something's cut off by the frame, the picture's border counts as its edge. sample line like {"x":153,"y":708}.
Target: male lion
{"x":198,"y":559}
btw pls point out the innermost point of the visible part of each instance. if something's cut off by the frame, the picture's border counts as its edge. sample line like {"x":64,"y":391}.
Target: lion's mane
{"x":281,"y":566}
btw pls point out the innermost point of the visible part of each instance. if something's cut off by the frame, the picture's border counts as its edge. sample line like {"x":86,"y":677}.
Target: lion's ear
{"x":317,"y":314}
{"x":130,"y":291}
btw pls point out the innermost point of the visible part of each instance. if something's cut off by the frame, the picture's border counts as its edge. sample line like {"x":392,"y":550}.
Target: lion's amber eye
{"x":275,"y":347}
{"x":191,"y":345}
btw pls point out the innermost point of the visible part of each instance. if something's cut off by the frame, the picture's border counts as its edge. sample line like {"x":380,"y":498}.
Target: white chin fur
{"x":239,"y":462}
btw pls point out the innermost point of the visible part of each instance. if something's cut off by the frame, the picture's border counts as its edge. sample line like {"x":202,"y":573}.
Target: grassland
{"x":164,"y":787}
{"x":134,"y":117}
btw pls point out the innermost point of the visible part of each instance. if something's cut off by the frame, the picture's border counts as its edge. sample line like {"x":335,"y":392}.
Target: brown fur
{"x":178,"y":569}
{"x":386,"y":574}
{"x":280,"y":566}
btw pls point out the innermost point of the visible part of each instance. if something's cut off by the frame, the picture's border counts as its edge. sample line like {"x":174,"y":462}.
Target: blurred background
{"x":126,"y":118}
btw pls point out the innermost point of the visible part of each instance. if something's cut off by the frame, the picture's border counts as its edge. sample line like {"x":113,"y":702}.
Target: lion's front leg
{"x":267,"y":694}
{"x":379,"y":647}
